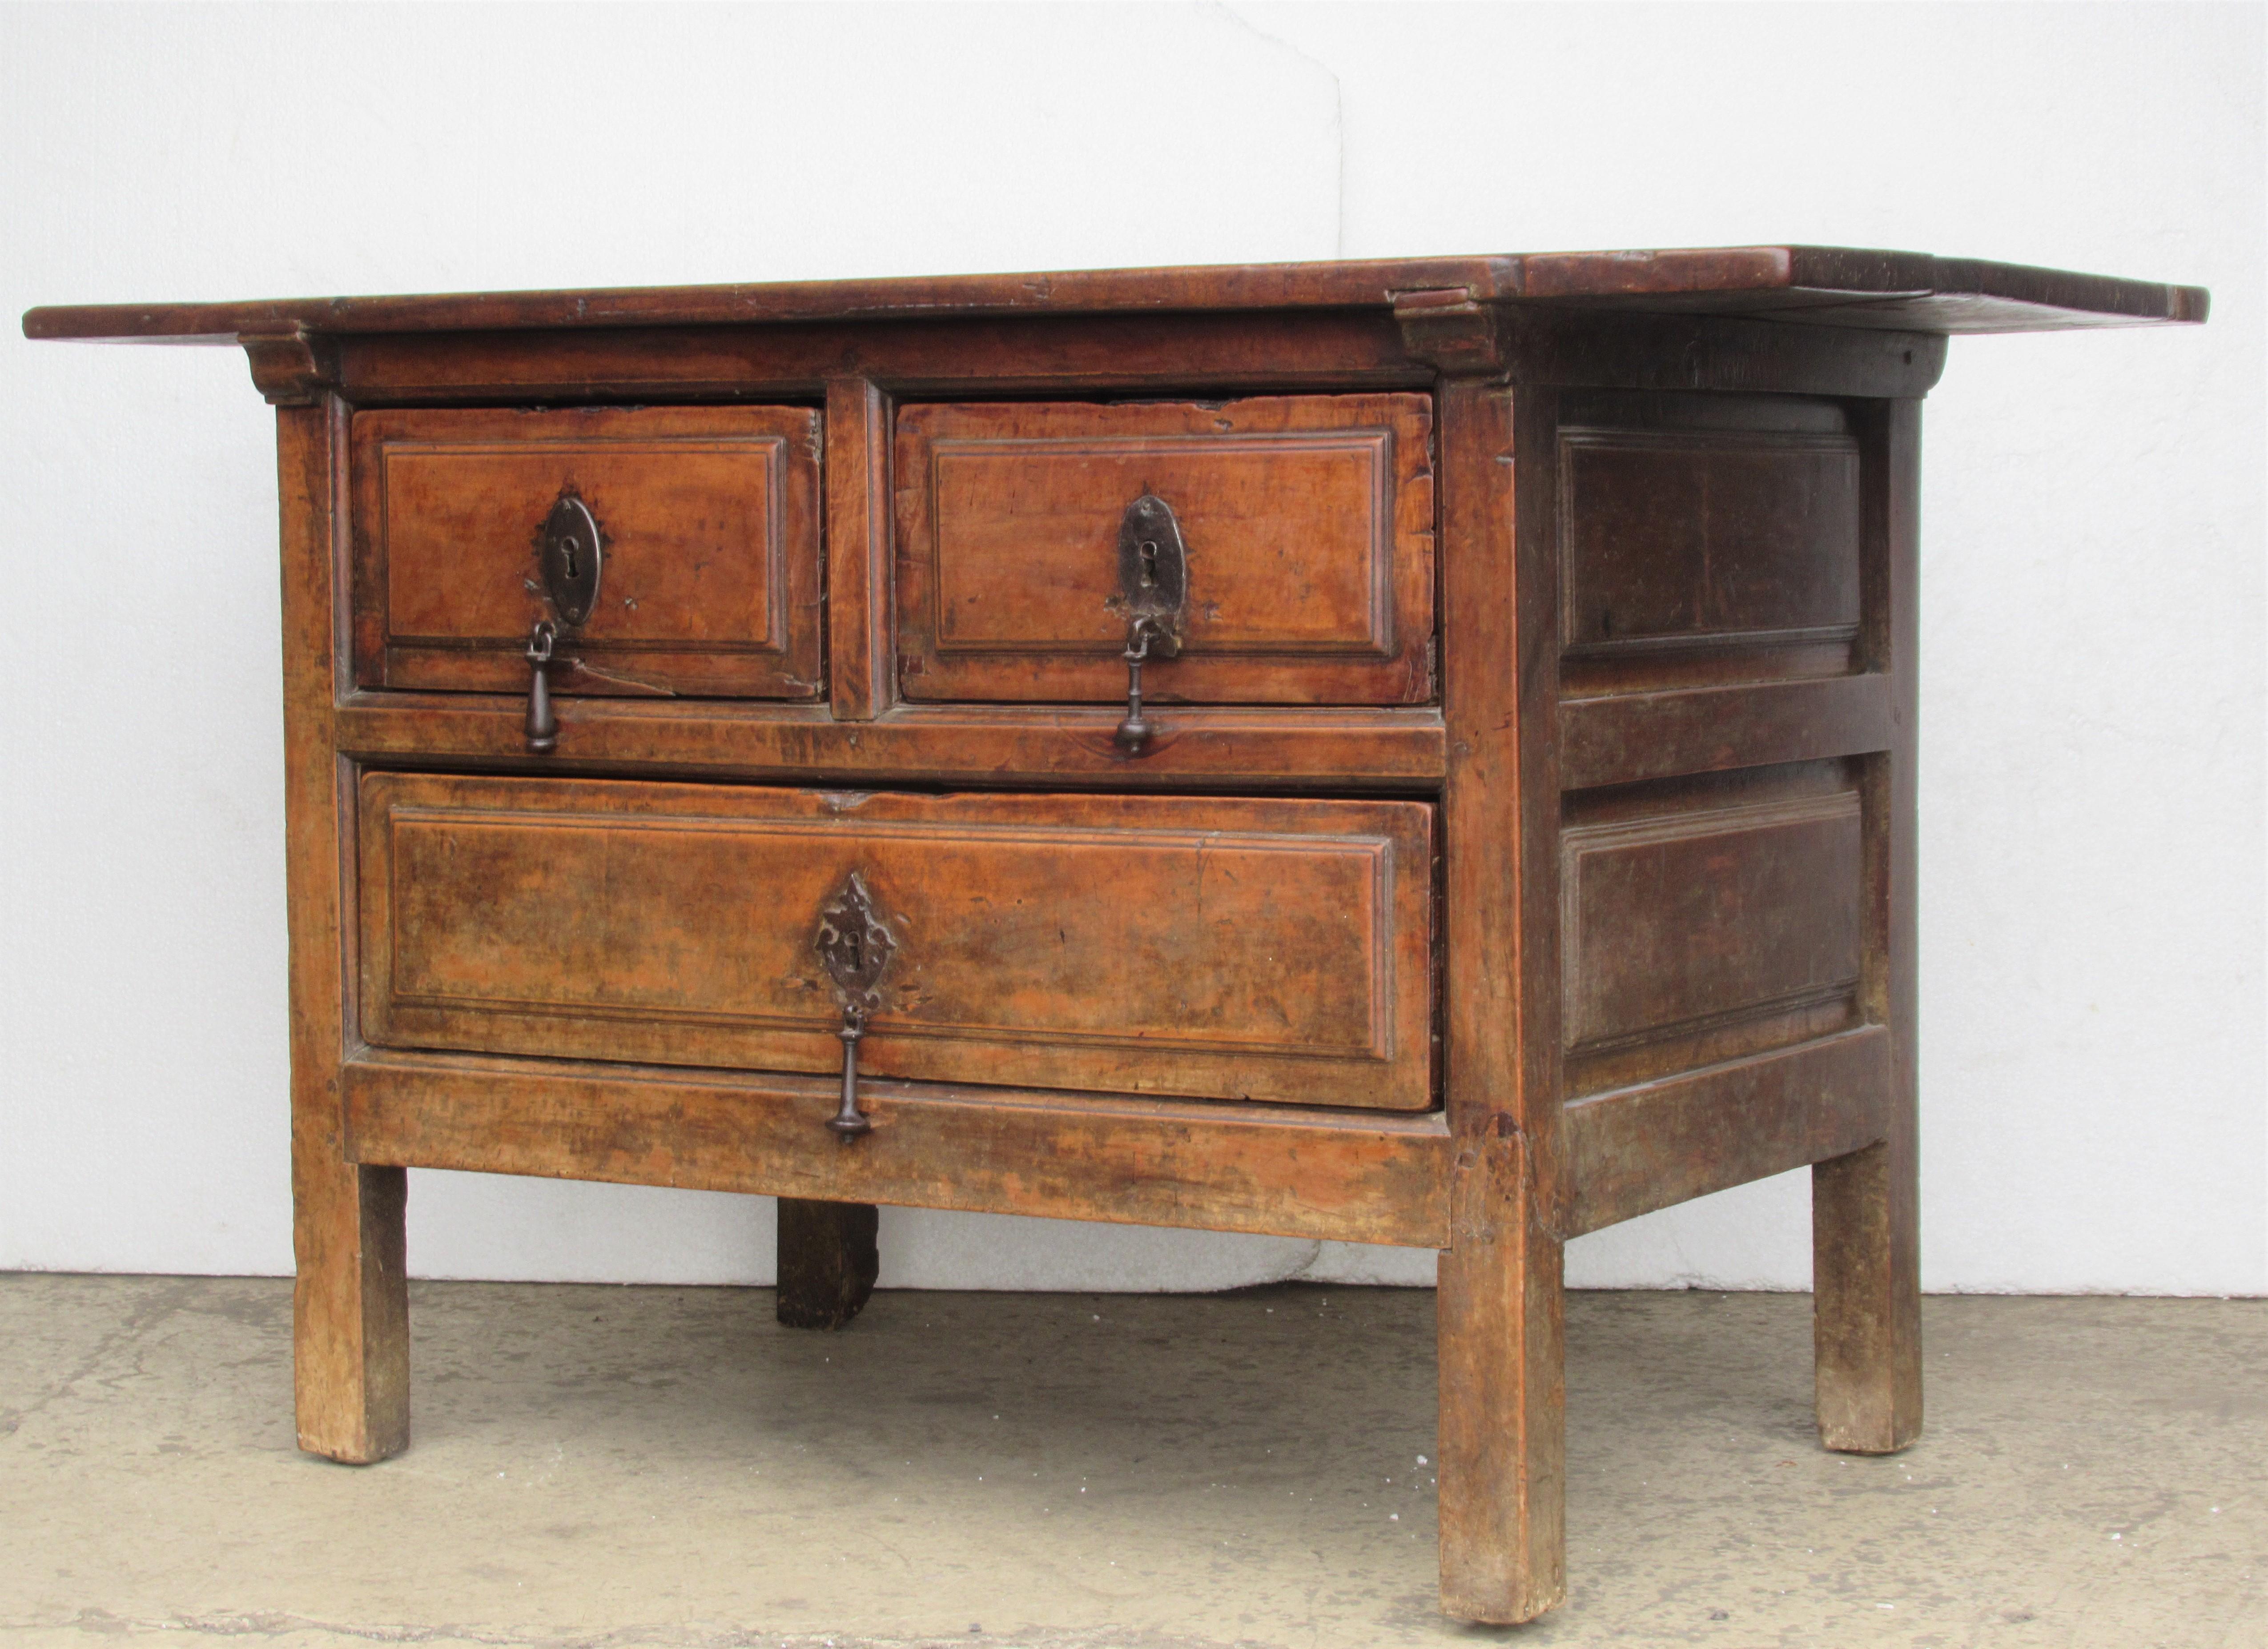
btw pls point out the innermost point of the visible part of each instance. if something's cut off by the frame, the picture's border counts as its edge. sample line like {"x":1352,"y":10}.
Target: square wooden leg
{"x":828,"y":1262}
{"x":1503,"y":1423}
{"x":1865,"y":1208}
{"x":351,"y":1305}
{"x":350,"y":1311}
{"x":1866,"y":1298}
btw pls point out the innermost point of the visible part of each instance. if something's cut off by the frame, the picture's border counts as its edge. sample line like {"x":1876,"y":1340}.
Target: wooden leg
{"x":828,"y":1262}
{"x":1865,"y":1224}
{"x":350,"y":1311}
{"x":350,"y":1308}
{"x":1503,"y":1424}
{"x":1866,"y":1299}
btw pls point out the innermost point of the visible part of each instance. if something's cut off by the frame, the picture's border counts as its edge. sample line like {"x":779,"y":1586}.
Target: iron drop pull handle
{"x":855,"y":945}
{"x":542,"y":725}
{"x":850,"y":1121}
{"x":1154,"y":592}
{"x":1134,"y":732}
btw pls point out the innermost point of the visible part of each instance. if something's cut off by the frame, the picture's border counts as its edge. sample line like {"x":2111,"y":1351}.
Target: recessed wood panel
{"x":1683,"y":536}
{"x":1704,"y":917}
{"x":1270,"y":951}
{"x":710,"y":580}
{"x":1309,"y":522}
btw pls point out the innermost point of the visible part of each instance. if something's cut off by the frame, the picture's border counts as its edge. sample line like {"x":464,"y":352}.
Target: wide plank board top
{"x":1827,"y":285}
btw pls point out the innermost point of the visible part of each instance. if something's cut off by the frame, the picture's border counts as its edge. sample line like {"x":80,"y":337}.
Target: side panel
{"x":1720,"y":708}
{"x":1706,"y":538}
{"x":1708,"y":920}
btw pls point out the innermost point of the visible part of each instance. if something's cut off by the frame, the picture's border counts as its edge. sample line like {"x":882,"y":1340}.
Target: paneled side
{"x":709,"y":580}
{"x":1705,"y":540}
{"x":1309,"y":522}
{"x":1215,"y":949}
{"x":1725,"y":921}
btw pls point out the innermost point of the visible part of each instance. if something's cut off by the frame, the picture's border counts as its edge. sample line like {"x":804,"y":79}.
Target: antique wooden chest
{"x":1417,"y":753}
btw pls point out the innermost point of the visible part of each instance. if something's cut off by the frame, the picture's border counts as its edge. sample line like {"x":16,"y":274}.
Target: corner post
{"x":350,"y":1303}
{"x":1501,"y":1317}
{"x":1866,"y":1234}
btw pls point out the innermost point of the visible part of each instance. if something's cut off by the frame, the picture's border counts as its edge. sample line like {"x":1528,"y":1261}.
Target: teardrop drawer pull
{"x":542,"y":725}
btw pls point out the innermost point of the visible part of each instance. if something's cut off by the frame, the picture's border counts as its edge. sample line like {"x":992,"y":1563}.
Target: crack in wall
{"x":1338,"y":121}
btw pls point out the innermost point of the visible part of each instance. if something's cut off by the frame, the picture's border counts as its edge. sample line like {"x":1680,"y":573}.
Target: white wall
{"x":2091,"y":789}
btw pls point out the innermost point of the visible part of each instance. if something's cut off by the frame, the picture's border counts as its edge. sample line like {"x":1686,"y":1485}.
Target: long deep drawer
{"x":1220,"y":949}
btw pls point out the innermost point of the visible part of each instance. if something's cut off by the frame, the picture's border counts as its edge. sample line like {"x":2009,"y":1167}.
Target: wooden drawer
{"x":710,"y":584}
{"x":1309,"y":522}
{"x":1217,"y":949}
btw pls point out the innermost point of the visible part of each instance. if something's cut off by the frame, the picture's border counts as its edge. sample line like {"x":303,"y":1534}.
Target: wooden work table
{"x":714,"y":758}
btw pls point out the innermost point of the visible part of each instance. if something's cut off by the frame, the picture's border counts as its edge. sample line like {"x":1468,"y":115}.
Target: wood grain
{"x":828,"y":1262}
{"x":350,"y":1301}
{"x":1866,"y":1220}
{"x":1625,"y":738}
{"x":711,"y":582}
{"x":1827,"y":285}
{"x":1681,"y":353}
{"x":1655,"y":1143}
{"x":862,"y":677}
{"x":1702,"y":914}
{"x":1705,"y":537}
{"x":1121,"y":355}
{"x":1309,"y":523}
{"x":1049,"y":356}
{"x":1654,"y":849}
{"x":1206,"y":748}
{"x":1281,"y":1171}
{"x":1500,"y":1310}
{"x":1262,"y":950}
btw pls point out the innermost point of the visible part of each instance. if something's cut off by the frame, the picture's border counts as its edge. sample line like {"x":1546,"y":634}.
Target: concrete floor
{"x":598,"y":1466}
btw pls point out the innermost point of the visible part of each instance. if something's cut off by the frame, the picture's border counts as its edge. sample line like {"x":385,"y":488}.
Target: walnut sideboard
{"x":1417,"y":753}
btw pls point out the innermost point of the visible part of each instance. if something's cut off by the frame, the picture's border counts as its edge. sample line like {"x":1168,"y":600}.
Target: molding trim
{"x":290,"y":366}
{"x":1451,"y":331}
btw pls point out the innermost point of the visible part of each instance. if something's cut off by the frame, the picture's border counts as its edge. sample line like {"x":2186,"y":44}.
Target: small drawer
{"x":708,"y":517}
{"x":1308,"y":521}
{"x":1207,"y":948}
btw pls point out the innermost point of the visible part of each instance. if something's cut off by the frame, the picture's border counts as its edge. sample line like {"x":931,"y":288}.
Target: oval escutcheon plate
{"x":571,"y":550}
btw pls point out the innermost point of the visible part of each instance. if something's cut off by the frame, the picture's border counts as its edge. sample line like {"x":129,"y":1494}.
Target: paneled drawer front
{"x":710,"y":581}
{"x":1264,"y":950}
{"x":1309,"y":522}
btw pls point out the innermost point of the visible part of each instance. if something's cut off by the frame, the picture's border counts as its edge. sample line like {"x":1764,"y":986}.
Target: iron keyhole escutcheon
{"x":570,"y":554}
{"x":1153,"y":586}
{"x":855,"y":945}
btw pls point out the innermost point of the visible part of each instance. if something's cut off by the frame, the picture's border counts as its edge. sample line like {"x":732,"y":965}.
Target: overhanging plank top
{"x":1822,"y":286}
